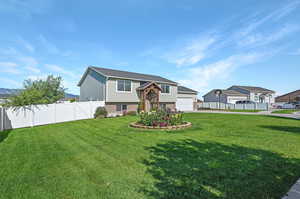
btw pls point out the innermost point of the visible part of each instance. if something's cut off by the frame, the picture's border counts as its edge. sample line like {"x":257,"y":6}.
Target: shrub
{"x":100,"y":112}
{"x":72,"y":100}
{"x":161,"y":118}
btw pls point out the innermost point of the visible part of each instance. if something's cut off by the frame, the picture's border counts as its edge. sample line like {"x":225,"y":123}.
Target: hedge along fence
{"x":36,"y":115}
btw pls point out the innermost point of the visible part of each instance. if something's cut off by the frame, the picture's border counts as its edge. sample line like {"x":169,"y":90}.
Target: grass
{"x":286,"y":111}
{"x":221,"y":156}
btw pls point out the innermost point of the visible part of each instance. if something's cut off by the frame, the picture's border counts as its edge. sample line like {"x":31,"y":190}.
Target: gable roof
{"x":146,"y":85}
{"x":183,"y":90}
{"x":127,"y":75}
{"x":288,"y":97}
{"x":254,"y":89}
{"x":228,"y":92}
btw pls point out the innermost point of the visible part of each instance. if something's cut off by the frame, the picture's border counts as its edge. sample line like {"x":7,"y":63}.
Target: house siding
{"x":114,"y":96}
{"x":93,"y":87}
{"x":211,"y":97}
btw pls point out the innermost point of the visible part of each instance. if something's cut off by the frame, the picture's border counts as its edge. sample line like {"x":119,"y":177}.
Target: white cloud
{"x":60,"y":70}
{"x":191,"y":53}
{"x":5,"y":82}
{"x":273,"y":16}
{"x":9,"y":67}
{"x":200,"y":77}
{"x":259,"y":39}
{"x":37,"y":77}
{"x":26,"y":44}
{"x":33,"y":69}
{"x":48,"y":45}
{"x":30,"y":64}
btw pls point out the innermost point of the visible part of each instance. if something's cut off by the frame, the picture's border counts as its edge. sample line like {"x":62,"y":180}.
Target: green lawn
{"x":286,"y":111}
{"x":221,"y":156}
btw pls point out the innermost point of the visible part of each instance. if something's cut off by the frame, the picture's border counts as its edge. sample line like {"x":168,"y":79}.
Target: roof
{"x":183,"y":89}
{"x":228,"y":92}
{"x":127,"y":75}
{"x":288,"y":97}
{"x":254,"y":89}
{"x":144,"y":86}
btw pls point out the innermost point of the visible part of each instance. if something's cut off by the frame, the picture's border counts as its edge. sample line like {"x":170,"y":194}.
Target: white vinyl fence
{"x":217,"y":105}
{"x":36,"y":115}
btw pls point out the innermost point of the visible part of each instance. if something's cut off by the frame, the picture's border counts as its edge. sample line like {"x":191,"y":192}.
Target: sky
{"x":203,"y":44}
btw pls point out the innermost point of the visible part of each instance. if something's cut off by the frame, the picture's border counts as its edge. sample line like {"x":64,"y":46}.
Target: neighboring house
{"x":227,"y":96}
{"x":240,"y":93}
{"x":256,"y":94}
{"x":289,"y":97}
{"x":125,"y":91}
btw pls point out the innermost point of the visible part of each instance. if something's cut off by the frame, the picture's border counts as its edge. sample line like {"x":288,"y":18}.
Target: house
{"x":226,"y":96}
{"x":239,"y":93}
{"x":126,"y":91}
{"x":289,"y":97}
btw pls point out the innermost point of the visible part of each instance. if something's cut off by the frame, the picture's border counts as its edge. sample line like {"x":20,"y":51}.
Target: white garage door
{"x":184,"y":104}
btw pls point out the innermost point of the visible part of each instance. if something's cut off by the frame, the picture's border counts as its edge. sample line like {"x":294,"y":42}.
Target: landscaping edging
{"x":176,"y":127}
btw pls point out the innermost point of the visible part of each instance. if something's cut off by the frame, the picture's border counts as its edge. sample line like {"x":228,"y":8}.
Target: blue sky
{"x":201,"y":44}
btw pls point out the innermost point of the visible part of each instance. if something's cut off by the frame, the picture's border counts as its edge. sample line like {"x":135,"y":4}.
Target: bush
{"x":132,"y":113}
{"x":100,"y":112}
{"x":72,"y":100}
{"x":161,"y":118}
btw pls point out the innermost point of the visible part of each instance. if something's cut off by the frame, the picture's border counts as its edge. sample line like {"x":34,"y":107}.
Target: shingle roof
{"x":288,"y":97}
{"x":228,"y":92}
{"x":255,"y":89}
{"x":143,"y":86}
{"x":130,"y":75}
{"x":183,"y":89}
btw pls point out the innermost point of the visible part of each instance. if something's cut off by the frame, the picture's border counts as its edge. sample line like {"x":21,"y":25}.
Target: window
{"x":165,"y":88}
{"x":124,"y":85}
{"x":163,"y":106}
{"x":121,"y":107}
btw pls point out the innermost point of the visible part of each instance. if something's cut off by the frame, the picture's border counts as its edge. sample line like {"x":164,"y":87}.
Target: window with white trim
{"x":121,"y":107}
{"x":124,"y":85}
{"x":165,"y":88}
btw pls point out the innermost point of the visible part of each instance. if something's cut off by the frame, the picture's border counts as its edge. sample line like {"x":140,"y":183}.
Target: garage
{"x":185,"y":104}
{"x":186,"y":99}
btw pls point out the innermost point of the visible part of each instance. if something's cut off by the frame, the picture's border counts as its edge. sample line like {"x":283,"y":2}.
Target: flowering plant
{"x":161,"y":118}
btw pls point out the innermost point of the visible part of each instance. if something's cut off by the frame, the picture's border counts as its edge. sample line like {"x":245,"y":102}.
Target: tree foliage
{"x":40,"y":91}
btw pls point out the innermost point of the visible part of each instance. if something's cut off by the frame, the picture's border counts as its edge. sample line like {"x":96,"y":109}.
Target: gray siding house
{"x":240,"y":93}
{"x":121,"y":90}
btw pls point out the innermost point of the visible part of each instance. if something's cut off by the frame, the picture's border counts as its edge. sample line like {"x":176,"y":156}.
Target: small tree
{"x":46,"y":91}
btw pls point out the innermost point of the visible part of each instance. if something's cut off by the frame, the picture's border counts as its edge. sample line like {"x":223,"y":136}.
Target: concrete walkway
{"x":269,"y":113}
{"x":294,"y":192}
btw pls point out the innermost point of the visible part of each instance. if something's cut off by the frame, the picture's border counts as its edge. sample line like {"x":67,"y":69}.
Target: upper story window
{"x":124,"y":85}
{"x":165,"y":88}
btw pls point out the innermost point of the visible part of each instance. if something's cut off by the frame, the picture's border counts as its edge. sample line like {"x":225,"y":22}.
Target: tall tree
{"x":46,"y":91}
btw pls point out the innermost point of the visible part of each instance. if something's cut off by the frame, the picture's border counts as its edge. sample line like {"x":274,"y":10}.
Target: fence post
{"x":32,"y":115}
{"x":2,"y":119}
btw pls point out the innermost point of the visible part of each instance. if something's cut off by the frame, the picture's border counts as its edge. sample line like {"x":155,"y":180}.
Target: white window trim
{"x":124,"y":85}
{"x":121,"y":107}
{"x":169,"y":90}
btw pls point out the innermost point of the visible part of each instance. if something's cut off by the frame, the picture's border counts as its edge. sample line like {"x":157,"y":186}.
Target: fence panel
{"x":47,"y":114}
{"x":216,"y":105}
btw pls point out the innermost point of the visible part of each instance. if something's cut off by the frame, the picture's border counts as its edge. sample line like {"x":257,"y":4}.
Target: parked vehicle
{"x":288,"y":106}
{"x":244,"y":102}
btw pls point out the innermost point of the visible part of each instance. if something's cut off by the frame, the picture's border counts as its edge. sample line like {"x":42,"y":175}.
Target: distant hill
{"x":7,"y":92}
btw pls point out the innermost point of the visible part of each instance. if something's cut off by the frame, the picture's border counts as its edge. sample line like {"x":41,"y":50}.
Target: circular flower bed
{"x":175,"y":127}
{"x":161,"y":119}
